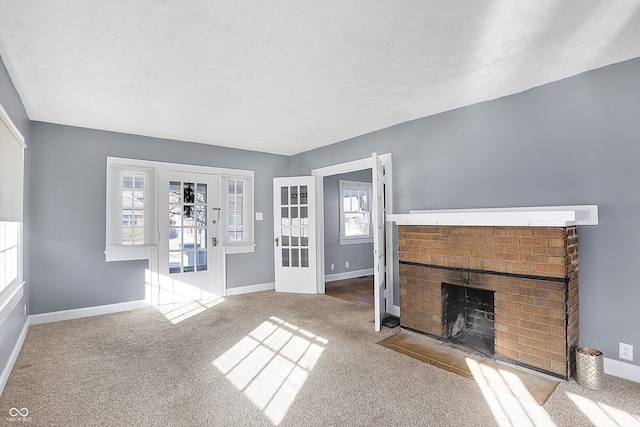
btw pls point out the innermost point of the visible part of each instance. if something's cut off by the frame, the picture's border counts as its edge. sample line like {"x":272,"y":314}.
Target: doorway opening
{"x":348,"y":236}
{"x":357,"y":273}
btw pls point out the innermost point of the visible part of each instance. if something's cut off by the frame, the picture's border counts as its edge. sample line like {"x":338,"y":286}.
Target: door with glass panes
{"x":294,"y":202}
{"x":189,"y":217}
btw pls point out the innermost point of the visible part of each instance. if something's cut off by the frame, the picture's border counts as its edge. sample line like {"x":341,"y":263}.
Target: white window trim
{"x":354,"y":240}
{"x":121,"y":252}
{"x":146,"y":252}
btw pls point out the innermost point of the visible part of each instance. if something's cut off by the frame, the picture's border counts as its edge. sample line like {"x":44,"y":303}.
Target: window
{"x":355,"y":212}
{"x":132,"y":226}
{"x":238,"y":212}
{"x":11,"y":201}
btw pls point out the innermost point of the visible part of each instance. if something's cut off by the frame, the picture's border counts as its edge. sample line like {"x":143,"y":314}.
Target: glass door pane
{"x":188,"y":244}
{"x":294,"y":230}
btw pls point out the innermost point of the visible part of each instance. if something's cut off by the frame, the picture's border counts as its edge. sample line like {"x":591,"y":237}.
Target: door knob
{"x":276,"y":241}
{"x":214,"y":241}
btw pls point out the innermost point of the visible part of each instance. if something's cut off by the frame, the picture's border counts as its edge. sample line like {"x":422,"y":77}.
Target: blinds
{"x":11,"y":170}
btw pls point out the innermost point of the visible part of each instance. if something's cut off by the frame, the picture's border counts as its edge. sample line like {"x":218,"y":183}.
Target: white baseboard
{"x":251,"y":288}
{"x":348,"y":275}
{"x":623,"y":370}
{"x":6,"y":372}
{"x":57,"y":316}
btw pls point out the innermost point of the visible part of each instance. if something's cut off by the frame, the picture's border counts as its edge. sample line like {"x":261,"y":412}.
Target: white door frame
{"x":352,"y":166}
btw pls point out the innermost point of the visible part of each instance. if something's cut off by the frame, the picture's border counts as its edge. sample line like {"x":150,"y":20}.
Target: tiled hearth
{"x":532,"y":272}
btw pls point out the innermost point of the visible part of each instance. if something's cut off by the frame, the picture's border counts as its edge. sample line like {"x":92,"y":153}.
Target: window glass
{"x":187,"y":227}
{"x":355,"y":211}
{"x":237,"y":210}
{"x":9,"y":253}
{"x":133,"y":208}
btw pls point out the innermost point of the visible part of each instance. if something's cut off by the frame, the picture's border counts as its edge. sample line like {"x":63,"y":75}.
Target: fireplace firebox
{"x":468,"y":317}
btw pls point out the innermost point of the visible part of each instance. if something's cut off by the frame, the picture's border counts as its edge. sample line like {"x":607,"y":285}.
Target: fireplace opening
{"x":468,"y":317}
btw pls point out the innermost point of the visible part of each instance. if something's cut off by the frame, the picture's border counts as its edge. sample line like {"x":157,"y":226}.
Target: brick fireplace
{"x":529,"y":272}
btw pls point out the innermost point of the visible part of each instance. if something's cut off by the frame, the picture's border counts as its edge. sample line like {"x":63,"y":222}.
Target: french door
{"x":379,"y":254}
{"x":294,"y":202}
{"x":188,"y":249}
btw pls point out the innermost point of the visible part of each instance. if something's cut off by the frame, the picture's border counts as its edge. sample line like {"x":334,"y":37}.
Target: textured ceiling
{"x":290,"y":76}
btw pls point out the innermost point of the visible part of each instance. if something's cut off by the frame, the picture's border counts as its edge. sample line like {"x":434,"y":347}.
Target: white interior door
{"x":378,"y":222}
{"x":188,"y":249}
{"x":294,"y":203}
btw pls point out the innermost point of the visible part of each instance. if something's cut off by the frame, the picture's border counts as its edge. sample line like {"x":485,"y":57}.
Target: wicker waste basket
{"x":589,"y":368}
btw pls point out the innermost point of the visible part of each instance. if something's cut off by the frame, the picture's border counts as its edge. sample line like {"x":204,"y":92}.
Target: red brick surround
{"x":533,"y":272}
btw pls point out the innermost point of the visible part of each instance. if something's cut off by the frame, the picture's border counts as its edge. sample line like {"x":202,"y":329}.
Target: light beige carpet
{"x":266,"y":359}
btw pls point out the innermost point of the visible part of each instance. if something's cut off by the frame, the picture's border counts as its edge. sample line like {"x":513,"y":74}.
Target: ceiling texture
{"x":289,"y":76}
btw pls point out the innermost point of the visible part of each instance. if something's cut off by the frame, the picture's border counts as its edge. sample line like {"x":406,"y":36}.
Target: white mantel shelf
{"x":538,"y":216}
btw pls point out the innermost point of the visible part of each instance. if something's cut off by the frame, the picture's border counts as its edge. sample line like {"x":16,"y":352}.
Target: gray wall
{"x":11,"y":328}
{"x":576,"y":141}
{"x":360,"y":256}
{"x":68,"y":181}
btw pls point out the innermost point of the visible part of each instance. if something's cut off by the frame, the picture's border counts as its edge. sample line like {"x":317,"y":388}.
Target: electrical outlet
{"x":333,"y":267}
{"x":626,"y":351}
{"x":347,"y":264}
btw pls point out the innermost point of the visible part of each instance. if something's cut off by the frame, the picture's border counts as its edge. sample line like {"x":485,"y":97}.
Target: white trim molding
{"x":537,"y":216}
{"x":251,"y":288}
{"x":4,"y":116}
{"x":622,"y":370}
{"x":124,"y":255}
{"x":78,"y":313}
{"x":9,"y":301}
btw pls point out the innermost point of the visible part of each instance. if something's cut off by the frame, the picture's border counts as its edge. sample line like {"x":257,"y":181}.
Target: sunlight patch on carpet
{"x":501,"y":390}
{"x":161,"y":290}
{"x":271,"y":364}
{"x":603,"y":415}
{"x":177,"y":312}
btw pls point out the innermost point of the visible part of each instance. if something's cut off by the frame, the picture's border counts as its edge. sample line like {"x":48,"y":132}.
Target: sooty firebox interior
{"x":468,"y":317}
